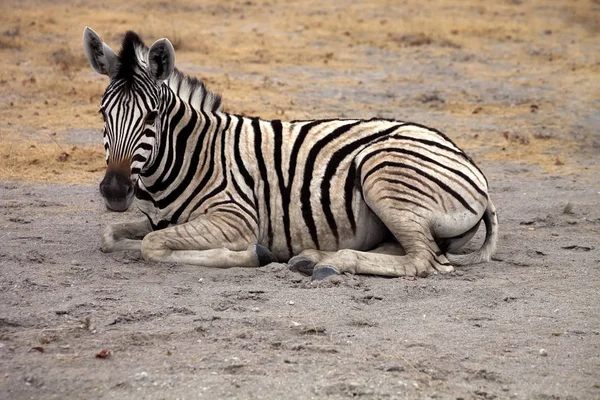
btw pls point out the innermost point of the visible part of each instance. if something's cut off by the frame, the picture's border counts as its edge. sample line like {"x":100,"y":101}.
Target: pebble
{"x":141,"y":375}
{"x":291,"y":302}
{"x":543,"y":352}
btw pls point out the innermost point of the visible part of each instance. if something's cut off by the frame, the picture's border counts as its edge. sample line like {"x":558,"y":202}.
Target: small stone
{"x":75,"y":263}
{"x":395,"y":368}
{"x":291,"y":302}
{"x":543,"y":352}
{"x":141,"y":375}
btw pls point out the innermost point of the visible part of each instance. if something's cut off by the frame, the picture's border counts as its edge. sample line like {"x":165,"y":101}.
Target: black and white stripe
{"x":321,"y":185}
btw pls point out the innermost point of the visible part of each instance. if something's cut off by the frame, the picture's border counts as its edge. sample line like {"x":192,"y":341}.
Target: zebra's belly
{"x":368,"y":232}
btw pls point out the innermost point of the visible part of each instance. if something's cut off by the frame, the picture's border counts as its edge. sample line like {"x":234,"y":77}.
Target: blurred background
{"x":511,"y":80}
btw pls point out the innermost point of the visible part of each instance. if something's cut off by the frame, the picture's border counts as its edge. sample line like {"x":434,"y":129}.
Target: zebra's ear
{"x":101,"y":57}
{"x":161,"y":59}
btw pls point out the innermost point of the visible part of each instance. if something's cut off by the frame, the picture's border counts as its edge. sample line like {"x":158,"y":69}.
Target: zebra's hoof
{"x":264,"y":255}
{"x":301,"y":264}
{"x":323,"y":271}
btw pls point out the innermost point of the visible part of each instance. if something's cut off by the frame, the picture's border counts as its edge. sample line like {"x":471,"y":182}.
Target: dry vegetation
{"x":262,"y":54}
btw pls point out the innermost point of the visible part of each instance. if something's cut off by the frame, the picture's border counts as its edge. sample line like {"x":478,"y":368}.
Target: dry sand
{"x":516,"y":83}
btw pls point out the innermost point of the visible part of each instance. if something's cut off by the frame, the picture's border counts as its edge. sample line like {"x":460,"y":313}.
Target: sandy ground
{"x":516,"y":83}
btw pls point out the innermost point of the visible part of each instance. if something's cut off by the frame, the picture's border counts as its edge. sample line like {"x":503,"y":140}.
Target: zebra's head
{"x":130,"y":108}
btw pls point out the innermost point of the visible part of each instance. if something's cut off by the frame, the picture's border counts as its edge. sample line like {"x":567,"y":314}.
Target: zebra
{"x":327,"y":197}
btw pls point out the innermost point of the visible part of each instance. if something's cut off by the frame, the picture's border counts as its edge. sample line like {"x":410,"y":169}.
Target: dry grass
{"x":39,"y":161}
{"x":47,"y":86}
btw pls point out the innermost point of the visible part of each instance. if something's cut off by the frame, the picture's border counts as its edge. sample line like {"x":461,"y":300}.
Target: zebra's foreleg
{"x":254,"y":256}
{"x":207,"y":243}
{"x":125,"y":236}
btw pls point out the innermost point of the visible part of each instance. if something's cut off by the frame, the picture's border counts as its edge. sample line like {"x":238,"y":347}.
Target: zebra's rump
{"x":321,"y":169}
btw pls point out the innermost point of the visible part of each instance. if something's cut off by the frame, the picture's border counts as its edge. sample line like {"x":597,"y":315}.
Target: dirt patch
{"x":522,"y":326}
{"x":514,"y":82}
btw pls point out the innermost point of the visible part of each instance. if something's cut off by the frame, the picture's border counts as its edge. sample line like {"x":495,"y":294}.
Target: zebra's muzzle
{"x":118,"y":191}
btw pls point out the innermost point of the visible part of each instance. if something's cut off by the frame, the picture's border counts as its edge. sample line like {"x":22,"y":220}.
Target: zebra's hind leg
{"x":306,"y":261}
{"x":379,"y":263}
{"x":125,"y":236}
{"x":416,"y":254}
{"x":407,"y":216}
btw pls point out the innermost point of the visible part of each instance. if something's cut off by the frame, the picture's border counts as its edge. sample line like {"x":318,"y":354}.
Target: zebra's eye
{"x":151,"y":118}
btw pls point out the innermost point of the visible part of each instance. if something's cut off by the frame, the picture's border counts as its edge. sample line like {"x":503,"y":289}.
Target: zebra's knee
{"x":154,"y":248}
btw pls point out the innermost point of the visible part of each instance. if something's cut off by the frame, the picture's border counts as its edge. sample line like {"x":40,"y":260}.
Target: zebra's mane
{"x":193,"y":91}
{"x":132,"y":58}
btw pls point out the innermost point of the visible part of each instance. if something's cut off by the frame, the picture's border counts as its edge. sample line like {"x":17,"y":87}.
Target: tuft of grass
{"x":568,"y":209}
{"x":10,"y":39}
{"x":9,"y":43}
{"x":67,"y":60}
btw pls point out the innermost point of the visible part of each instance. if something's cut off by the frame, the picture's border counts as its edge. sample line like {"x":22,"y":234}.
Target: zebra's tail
{"x":483,"y":254}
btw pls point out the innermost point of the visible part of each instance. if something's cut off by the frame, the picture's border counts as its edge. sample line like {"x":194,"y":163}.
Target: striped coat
{"x":328,"y":196}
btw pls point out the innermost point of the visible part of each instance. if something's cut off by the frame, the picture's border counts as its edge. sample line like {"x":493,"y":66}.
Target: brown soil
{"x":516,"y":83}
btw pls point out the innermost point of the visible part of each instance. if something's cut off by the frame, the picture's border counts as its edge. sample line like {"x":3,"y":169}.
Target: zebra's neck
{"x":180,"y":92}
{"x":186,"y":135}
{"x":193,"y":92}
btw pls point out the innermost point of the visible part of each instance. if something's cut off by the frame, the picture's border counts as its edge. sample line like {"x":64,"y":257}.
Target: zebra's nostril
{"x":117,"y":190}
{"x":116,"y":187}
